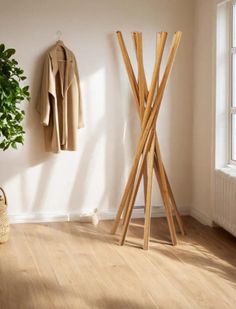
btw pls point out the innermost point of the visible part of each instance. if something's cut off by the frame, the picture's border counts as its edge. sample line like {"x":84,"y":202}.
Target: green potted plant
{"x":12,"y":94}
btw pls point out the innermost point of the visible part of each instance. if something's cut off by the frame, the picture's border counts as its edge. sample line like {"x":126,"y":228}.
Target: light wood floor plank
{"x":72,"y":265}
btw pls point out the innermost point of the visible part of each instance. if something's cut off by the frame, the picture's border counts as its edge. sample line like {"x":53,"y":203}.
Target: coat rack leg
{"x":125,"y":198}
{"x":135,"y":188}
{"x":120,"y":210}
{"x":165,"y":196}
{"x":149,"y":197}
{"x":170,"y":192}
{"x":126,"y":207}
{"x":145,"y":181}
{"x":171,"y":195}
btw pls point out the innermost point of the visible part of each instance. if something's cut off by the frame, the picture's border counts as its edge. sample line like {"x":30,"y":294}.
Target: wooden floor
{"x":72,"y":265}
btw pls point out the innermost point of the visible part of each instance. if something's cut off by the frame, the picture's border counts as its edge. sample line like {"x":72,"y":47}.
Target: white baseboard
{"x":38,"y":217}
{"x":157,"y":211}
{"x":200,"y":216}
{"x":138,"y":212}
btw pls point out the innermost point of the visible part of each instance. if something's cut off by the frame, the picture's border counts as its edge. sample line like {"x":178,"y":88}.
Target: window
{"x":225,"y":121}
{"x":232,"y":105}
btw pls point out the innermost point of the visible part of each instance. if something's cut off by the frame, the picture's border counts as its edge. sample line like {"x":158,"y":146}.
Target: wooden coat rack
{"x":148,"y":156}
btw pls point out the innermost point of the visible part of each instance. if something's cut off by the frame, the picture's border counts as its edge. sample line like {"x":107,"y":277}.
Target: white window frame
{"x":231,"y":109}
{"x":222,"y":98}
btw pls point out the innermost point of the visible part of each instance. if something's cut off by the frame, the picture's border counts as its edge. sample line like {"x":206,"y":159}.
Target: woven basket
{"x":4,"y":223}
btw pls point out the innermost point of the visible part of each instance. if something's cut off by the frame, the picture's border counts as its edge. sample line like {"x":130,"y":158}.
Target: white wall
{"x":203,"y":109}
{"x":40,"y":183}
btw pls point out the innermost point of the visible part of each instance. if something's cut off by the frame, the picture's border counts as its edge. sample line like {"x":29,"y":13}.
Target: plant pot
{"x":4,"y":223}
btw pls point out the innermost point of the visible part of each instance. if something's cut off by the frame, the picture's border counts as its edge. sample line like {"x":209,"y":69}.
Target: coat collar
{"x":69,"y":64}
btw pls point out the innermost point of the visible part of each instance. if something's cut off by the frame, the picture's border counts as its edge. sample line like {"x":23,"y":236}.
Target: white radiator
{"x":224,"y":212}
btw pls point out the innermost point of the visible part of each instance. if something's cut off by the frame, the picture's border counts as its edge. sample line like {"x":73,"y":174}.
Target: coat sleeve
{"x":80,"y":105}
{"x":43,"y":104}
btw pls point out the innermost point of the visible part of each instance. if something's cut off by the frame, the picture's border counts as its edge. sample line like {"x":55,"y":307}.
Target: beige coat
{"x":59,"y":102}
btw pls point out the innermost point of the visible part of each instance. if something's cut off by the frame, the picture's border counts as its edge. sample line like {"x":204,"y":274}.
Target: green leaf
{"x":9,"y":52}
{"x":2,"y":47}
{"x":25,"y":89}
{"x":13,"y":145}
{"x":19,"y":139}
{"x":19,"y":117}
{"x":6,"y":146}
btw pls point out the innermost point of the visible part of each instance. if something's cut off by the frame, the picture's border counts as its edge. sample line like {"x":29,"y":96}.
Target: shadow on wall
{"x":110,"y":131}
{"x":29,"y":126}
{"x":173,"y":125}
{"x":179,"y":146}
{"x":100,"y":168}
{"x":84,"y":173}
{"x":32,"y":152}
{"x":107,"y":140}
{"x":118,"y":132}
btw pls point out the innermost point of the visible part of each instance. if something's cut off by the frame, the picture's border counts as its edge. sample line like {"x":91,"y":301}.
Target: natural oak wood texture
{"x":71,"y":265}
{"x":148,"y":105}
{"x":149,"y":196}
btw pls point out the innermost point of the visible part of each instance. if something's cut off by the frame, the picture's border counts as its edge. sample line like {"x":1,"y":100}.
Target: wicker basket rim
{"x":4,"y":195}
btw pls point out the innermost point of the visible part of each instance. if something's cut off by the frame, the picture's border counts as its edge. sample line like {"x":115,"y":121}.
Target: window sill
{"x":229,"y":170}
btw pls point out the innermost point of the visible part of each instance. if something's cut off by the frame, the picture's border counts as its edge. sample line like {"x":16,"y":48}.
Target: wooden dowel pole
{"x":129,"y":68}
{"x":170,"y":192}
{"x":142,"y":94}
{"x":141,"y":77}
{"x":165,"y":195}
{"x":135,"y":188}
{"x":124,"y":202}
{"x":145,"y":182}
{"x":149,"y":196}
{"x":178,"y":217}
{"x":135,"y":40}
{"x":161,"y":40}
{"x":126,"y":207}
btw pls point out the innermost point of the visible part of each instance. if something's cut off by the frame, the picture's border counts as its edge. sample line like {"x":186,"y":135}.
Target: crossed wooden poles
{"x":148,"y":156}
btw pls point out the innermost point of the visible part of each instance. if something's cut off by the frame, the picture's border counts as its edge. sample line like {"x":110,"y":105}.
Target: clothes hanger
{"x":59,"y":35}
{"x":60,"y":43}
{"x":59,"y":40}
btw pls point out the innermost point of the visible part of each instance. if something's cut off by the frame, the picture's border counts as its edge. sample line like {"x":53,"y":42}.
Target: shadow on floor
{"x":116,"y":303}
{"x":210,"y":249}
{"x":26,"y":289}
